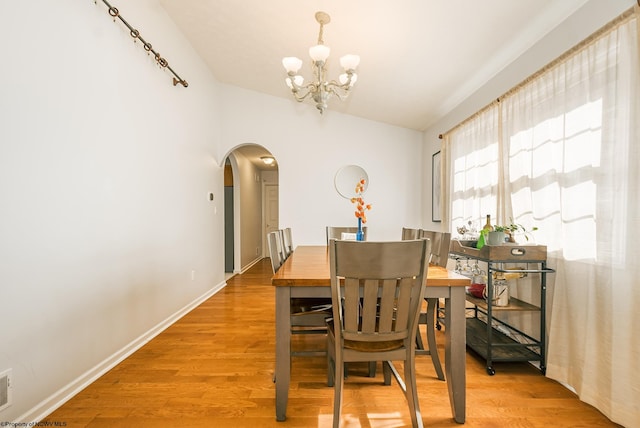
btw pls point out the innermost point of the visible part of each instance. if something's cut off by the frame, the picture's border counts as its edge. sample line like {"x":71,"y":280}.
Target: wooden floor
{"x":213,"y":368}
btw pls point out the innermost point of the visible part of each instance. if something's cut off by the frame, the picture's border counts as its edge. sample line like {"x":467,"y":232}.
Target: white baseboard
{"x":47,"y":406}
{"x":250,"y":265}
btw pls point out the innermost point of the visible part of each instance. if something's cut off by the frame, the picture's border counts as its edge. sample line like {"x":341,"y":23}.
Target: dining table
{"x":306,"y":274}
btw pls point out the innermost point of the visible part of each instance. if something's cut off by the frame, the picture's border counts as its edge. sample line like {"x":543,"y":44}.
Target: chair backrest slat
{"x":369,"y":303}
{"x":351,"y":300}
{"x":387,"y":305}
{"x":404,"y":299}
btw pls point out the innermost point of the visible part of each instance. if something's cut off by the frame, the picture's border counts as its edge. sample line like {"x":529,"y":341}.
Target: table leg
{"x":455,"y":351}
{"x":283,"y":350}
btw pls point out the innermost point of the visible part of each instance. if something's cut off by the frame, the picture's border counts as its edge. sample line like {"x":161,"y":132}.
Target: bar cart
{"x":492,"y":338}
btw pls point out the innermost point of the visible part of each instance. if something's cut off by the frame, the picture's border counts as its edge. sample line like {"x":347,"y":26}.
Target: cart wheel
{"x":490,"y":371}
{"x":438,"y":327}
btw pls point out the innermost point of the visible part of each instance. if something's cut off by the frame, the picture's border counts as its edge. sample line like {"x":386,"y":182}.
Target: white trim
{"x":265,"y":185}
{"x":250,"y":265}
{"x":237,"y":242}
{"x":48,"y":405}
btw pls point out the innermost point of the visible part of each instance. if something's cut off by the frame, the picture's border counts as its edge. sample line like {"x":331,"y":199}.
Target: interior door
{"x":271,"y":213}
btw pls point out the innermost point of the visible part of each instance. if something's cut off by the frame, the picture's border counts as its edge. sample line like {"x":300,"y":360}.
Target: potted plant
{"x":497,"y":235}
{"x":514,"y":228}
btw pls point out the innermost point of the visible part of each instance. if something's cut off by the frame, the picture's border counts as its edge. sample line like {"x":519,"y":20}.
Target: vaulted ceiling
{"x":419,"y":58}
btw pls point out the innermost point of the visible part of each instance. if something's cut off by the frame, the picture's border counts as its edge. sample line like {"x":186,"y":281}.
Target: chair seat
{"x":385,"y":345}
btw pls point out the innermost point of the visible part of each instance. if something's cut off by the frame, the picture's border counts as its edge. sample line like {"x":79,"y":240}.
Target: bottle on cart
{"x":487,"y":225}
{"x":482,"y":239}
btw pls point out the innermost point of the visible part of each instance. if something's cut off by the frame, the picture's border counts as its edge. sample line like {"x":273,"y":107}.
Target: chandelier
{"x":321,"y":90}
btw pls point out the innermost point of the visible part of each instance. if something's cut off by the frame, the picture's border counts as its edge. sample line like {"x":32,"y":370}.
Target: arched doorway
{"x":251,"y":197}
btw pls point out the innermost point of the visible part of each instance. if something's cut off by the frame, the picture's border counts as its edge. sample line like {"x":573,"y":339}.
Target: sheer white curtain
{"x":570,"y":159}
{"x":470,"y":159}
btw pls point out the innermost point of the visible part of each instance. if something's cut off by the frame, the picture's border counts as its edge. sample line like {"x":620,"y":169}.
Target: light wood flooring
{"x":213,"y":368}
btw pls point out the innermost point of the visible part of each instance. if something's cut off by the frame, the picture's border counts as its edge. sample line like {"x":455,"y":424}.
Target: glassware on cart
{"x":468,"y":232}
{"x":478,"y":281}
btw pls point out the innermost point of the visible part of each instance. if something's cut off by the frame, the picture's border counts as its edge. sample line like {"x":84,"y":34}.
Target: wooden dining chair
{"x":307,"y":314}
{"x":440,"y":242}
{"x":410,"y":233}
{"x":427,"y":317}
{"x":287,"y":241}
{"x":274,"y":252}
{"x":377,"y":290}
{"x":439,"y":256}
{"x":280,"y":244}
{"x":335,"y":232}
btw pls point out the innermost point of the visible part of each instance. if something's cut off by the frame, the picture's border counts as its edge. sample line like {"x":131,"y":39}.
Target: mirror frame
{"x":347,"y":178}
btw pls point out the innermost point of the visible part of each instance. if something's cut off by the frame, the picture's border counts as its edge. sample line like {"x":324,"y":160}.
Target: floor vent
{"x":5,"y":389}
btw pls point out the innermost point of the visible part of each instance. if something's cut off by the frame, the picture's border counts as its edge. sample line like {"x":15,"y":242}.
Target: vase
{"x":359,"y":233}
{"x":495,"y":238}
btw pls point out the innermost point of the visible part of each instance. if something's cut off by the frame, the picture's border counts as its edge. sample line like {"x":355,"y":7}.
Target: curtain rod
{"x":162,"y":62}
{"x":583,"y":44}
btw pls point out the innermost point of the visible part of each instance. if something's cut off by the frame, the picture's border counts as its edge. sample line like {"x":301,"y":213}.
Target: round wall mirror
{"x":347,"y":178}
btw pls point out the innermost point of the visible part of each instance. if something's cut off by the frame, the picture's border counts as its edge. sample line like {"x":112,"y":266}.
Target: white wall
{"x":592,"y":16}
{"x":310,"y":149}
{"x":105,"y":168}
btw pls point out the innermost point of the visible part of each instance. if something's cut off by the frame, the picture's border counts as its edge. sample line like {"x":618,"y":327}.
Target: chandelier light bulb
{"x":350,"y":62}
{"x":319,"y":52}
{"x":291,"y":64}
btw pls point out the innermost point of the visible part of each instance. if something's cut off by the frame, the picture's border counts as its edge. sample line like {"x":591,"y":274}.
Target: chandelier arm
{"x":341,"y":91}
{"x":307,"y":90}
{"x":346,"y":86}
{"x":350,"y":74}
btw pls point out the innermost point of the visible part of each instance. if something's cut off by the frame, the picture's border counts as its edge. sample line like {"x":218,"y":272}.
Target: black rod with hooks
{"x":135,"y":34}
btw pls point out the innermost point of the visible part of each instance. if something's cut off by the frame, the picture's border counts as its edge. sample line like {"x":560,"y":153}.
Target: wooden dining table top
{"x":308,"y":265}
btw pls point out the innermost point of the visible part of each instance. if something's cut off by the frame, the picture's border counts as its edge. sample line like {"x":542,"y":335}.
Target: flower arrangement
{"x":361,"y":207}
